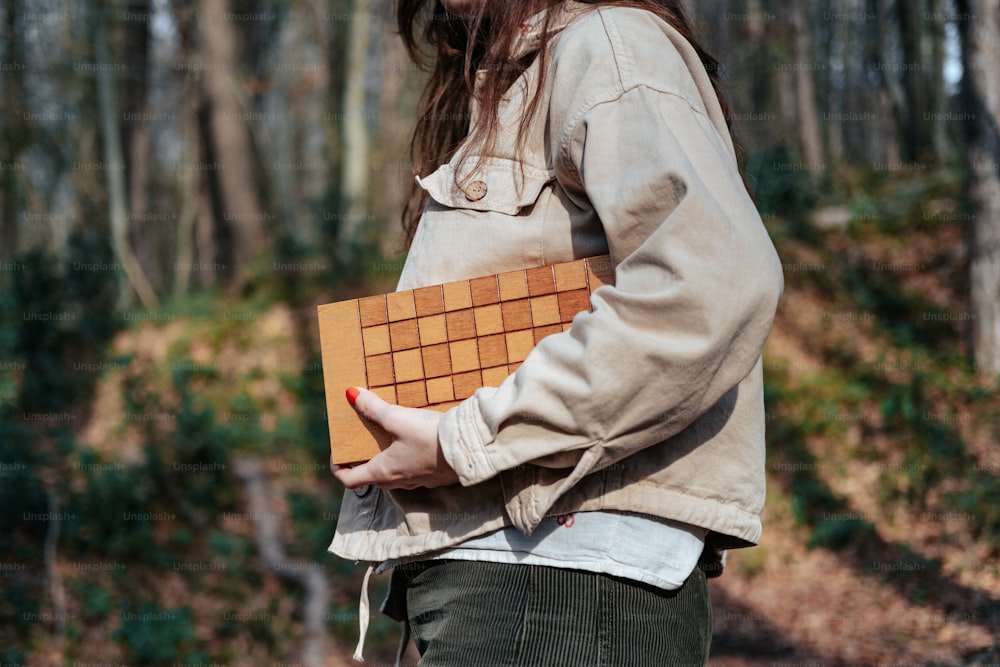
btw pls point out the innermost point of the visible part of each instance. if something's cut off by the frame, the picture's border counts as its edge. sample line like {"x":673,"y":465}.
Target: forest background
{"x":181,"y":183}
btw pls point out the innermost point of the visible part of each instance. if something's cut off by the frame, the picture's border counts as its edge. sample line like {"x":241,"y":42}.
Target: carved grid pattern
{"x":433,"y":347}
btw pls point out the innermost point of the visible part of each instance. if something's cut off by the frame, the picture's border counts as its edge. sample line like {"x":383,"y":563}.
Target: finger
{"x":365,"y":402}
{"x":369,"y":405}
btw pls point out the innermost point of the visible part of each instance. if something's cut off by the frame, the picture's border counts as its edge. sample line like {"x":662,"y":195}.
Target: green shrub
{"x":150,"y":634}
{"x":778,"y":182}
{"x":95,"y":600}
{"x":837,"y":533}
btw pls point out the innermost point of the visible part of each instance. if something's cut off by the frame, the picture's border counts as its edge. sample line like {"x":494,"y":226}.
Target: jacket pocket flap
{"x":498,"y":184}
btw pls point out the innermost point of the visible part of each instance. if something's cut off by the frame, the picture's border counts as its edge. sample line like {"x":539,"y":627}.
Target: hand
{"x":414,"y":458}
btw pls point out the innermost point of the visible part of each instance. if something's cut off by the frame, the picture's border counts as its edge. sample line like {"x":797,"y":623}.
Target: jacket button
{"x":476,"y":190}
{"x":363,"y":491}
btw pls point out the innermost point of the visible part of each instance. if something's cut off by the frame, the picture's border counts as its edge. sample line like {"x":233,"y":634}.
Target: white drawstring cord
{"x":364,"y":611}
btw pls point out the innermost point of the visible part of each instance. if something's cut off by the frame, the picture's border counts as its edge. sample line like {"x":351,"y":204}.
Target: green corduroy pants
{"x":471,"y":613}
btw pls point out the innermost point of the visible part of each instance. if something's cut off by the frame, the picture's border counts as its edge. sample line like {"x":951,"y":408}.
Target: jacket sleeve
{"x":697,"y":284}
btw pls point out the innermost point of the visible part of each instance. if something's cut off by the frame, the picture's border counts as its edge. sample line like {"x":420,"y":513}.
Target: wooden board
{"x":433,"y":347}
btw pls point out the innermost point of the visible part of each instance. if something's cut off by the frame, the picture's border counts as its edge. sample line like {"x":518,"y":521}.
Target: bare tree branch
{"x":118,"y":208}
{"x":306,"y":573}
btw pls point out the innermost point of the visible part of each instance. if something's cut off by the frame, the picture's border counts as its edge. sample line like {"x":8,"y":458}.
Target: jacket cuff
{"x":463,"y":435}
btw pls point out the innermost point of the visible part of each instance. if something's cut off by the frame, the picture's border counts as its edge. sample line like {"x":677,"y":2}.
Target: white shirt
{"x":653,"y":551}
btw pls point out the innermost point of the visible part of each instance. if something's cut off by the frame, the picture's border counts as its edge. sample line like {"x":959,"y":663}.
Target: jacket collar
{"x":530,"y":39}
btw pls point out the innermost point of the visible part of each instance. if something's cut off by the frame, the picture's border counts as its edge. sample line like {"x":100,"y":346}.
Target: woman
{"x":560,"y":518}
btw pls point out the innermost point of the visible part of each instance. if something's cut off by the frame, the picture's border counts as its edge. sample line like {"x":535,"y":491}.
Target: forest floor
{"x":919,"y":589}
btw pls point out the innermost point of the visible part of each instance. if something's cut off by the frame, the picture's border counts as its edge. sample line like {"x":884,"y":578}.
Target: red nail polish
{"x":352,"y":394}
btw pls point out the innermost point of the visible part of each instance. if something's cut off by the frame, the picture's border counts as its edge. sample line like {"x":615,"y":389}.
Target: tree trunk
{"x":137,"y":135}
{"x":189,"y":182}
{"x":936,"y":56}
{"x":308,"y":131}
{"x":233,"y":167}
{"x":916,"y":129}
{"x":895,"y":91}
{"x":721,"y":43}
{"x":285,"y":86}
{"x":761,"y":97}
{"x":805,"y":91}
{"x":393,"y":144}
{"x":981,"y":96}
{"x":839,"y":45}
{"x":115,"y":165}
{"x":356,"y":163}
{"x":889,"y":131}
{"x":755,"y":20}
{"x":205,"y":232}
{"x":872,"y":136}
{"x":16,"y":135}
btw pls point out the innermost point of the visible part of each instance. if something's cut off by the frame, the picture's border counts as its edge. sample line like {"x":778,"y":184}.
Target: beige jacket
{"x":653,"y":402}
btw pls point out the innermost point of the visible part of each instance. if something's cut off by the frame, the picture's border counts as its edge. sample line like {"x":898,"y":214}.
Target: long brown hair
{"x":483,"y":39}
